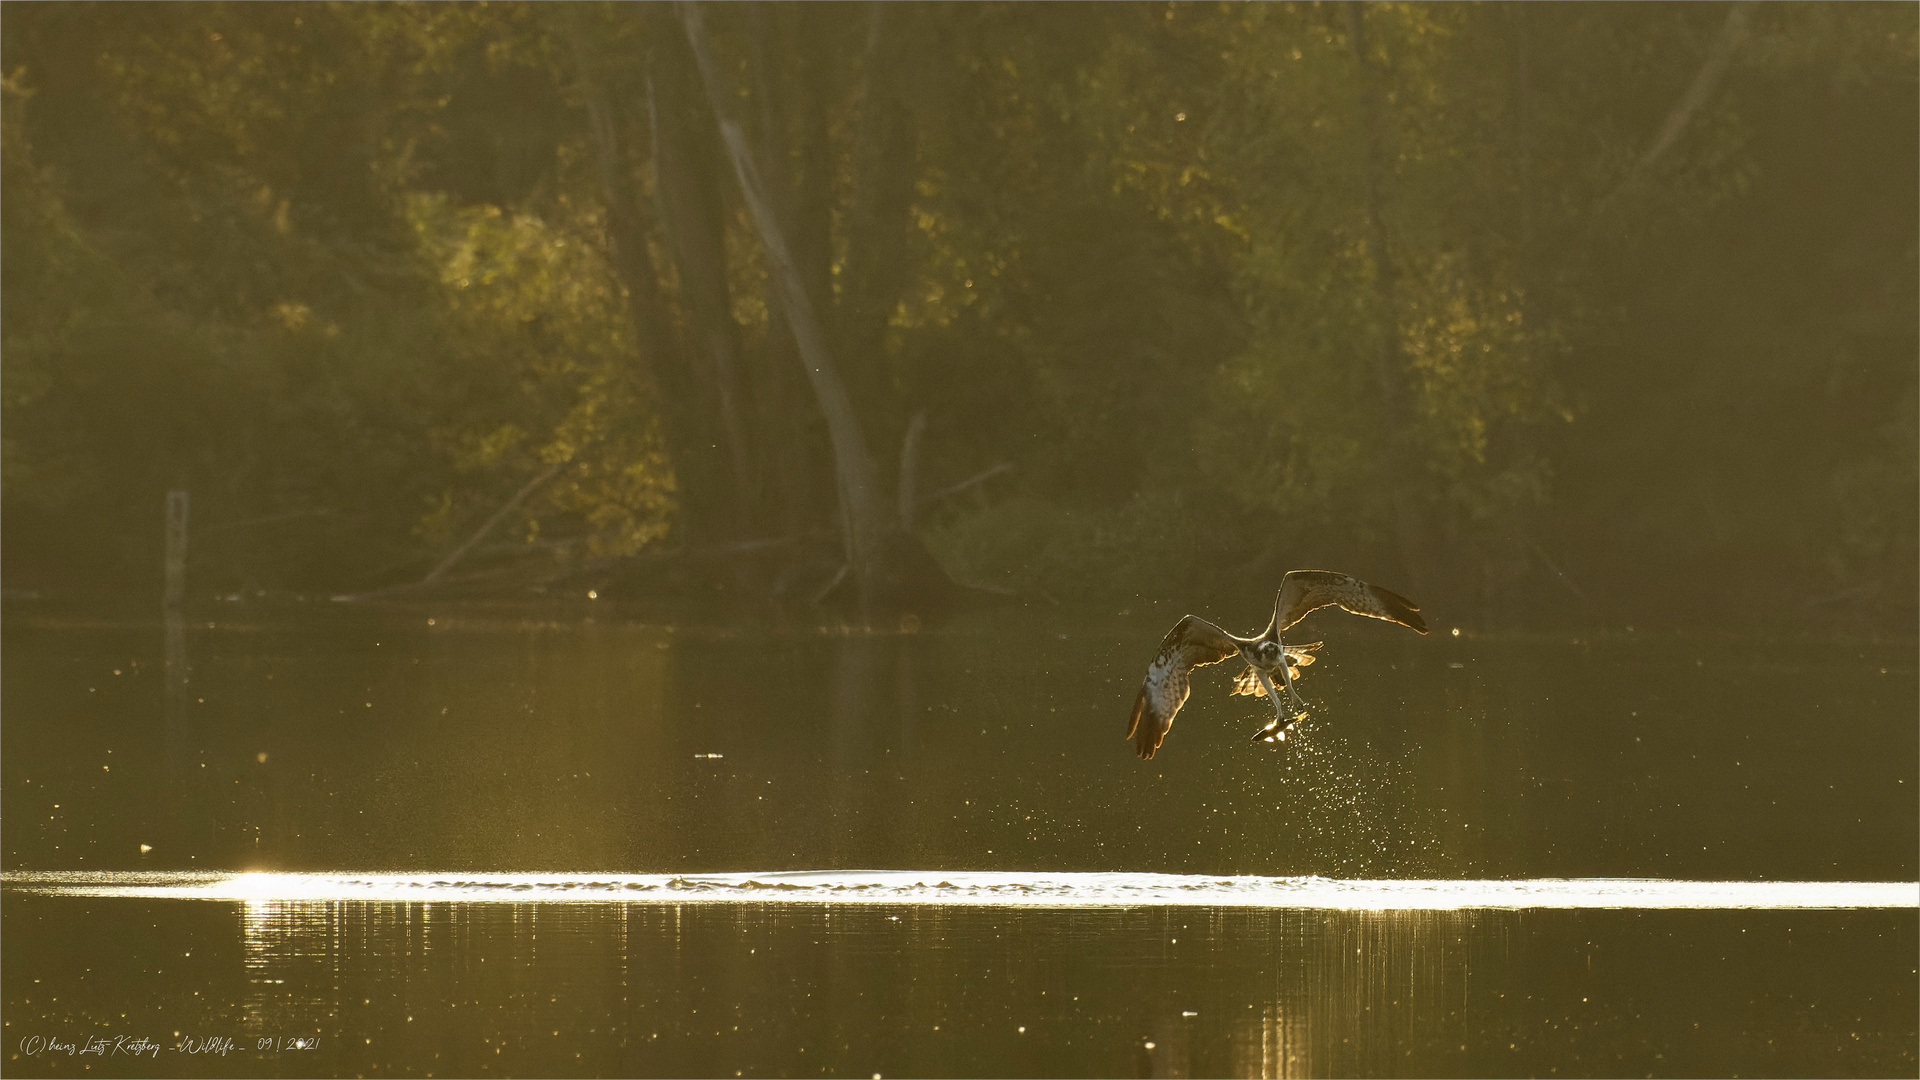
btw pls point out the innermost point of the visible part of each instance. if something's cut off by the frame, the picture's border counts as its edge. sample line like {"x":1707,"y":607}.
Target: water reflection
{"x":463,"y":741}
{"x":177,"y":676}
{"x":454,"y":740}
{"x":1372,"y":990}
{"x":291,"y":965}
{"x":662,"y":990}
{"x":1283,"y":1045}
{"x":177,"y":671}
{"x":611,"y":989}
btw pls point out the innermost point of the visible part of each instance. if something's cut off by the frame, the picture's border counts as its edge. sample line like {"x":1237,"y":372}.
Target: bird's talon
{"x":1195,"y":642}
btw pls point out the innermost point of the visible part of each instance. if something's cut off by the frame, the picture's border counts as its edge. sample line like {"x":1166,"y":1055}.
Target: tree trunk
{"x":689,"y":437}
{"x":866,"y":523}
{"x":691,"y":213}
{"x":908,"y":496}
{"x":1712,"y":69}
{"x":804,"y":216}
{"x":1389,"y":364}
{"x":793,"y":477}
{"x":795,"y":153}
{"x":877,"y":218}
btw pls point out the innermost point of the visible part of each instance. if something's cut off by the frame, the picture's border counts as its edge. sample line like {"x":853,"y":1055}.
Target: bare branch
{"x":910,"y":467}
{"x":963,"y":485}
{"x":1714,"y":68}
{"x":499,"y":515}
{"x":861,"y":507}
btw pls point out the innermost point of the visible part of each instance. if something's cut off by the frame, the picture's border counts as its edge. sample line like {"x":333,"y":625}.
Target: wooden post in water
{"x":174,"y":595}
{"x":176,"y":590}
{"x":176,"y":625}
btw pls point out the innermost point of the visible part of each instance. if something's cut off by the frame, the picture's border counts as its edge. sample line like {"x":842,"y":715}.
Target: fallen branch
{"x":519,"y":497}
{"x":267,"y":520}
{"x":1564,"y":579}
{"x":831,"y":585}
{"x":743,"y":547}
{"x":963,"y":485}
{"x":1712,"y":70}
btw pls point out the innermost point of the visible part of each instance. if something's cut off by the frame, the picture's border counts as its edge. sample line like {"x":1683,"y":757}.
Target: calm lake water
{"x":586,"y":740}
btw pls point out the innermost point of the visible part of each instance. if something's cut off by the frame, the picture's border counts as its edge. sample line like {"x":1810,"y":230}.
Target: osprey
{"x":1195,"y":642}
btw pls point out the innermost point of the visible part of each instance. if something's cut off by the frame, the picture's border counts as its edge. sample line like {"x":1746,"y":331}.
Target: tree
{"x":1116,"y":297}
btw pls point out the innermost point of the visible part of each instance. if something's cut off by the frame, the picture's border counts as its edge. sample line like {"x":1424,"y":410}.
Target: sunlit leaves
{"x":1212,"y":279}
{"x":535,"y":314}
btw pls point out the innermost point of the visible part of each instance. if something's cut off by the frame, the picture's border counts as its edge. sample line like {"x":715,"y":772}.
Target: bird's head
{"x":1268,"y":652}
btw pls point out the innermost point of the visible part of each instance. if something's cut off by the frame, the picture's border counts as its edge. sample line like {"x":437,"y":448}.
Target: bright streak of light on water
{"x":979,"y":889}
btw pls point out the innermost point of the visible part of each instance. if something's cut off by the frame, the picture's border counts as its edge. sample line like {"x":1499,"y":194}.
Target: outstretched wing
{"x":1298,"y":656}
{"x":1302,"y":591}
{"x":1192,"y":643}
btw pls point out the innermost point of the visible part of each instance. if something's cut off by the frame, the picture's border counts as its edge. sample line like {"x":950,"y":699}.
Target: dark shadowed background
{"x":773,"y":437}
{"x":1565,"y":312}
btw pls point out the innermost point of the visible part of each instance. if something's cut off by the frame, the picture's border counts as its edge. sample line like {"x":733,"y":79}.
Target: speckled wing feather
{"x":1192,"y":643}
{"x":1298,"y":656}
{"x":1302,"y":591}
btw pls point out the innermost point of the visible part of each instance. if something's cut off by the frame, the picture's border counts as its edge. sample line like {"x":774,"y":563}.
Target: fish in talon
{"x":1194,"y":642}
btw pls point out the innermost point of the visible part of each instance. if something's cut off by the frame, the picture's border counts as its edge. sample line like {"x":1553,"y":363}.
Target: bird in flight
{"x":1195,"y":642}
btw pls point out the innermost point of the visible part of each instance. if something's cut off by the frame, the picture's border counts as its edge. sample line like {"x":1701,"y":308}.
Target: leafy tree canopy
{"x":1544,"y":311}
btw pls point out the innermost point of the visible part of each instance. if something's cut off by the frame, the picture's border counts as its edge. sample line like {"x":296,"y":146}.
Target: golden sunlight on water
{"x":1406,"y":968}
{"x":1526,"y":871}
{"x":1352,"y":982}
{"x":974,"y":888}
{"x":508,"y":974}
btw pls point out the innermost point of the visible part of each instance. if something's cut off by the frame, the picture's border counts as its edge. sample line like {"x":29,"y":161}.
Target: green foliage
{"x":257,"y":310}
{"x":1033,"y":546}
{"x":533,"y":314}
{"x":1232,"y":287}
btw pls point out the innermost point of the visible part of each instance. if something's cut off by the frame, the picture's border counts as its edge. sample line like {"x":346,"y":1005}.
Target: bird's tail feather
{"x":1248,"y":683}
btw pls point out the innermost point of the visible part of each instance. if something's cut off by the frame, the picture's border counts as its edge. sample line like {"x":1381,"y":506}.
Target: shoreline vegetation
{"x":1542,"y":314}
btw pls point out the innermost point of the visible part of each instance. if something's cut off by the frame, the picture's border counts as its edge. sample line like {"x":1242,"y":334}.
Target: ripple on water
{"x":982,"y":889}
